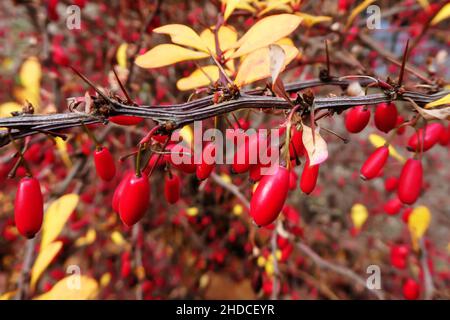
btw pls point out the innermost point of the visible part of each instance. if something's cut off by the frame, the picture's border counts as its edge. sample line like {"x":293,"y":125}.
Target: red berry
{"x":119,"y":190}
{"x":296,"y":147}
{"x":445,"y":136}
{"x":241,"y":161}
{"x":126,"y":120}
{"x":172,"y":188}
{"x":292,"y":180}
{"x":205,"y":168}
{"x":400,"y":121}
{"x":399,"y":255}
{"x":385,"y":116}
{"x":405,"y":215}
{"x":134,"y":200}
{"x":269,"y":197}
{"x":411,"y":289}
{"x":255,"y":173}
{"x":28,"y":207}
{"x":410,"y":182}
{"x":390,"y":184}
{"x":425,"y":138}
{"x":357,"y":119}
{"x":309,"y":176}
{"x":393,"y":206}
{"x":373,"y":165}
{"x":104,"y":164}
{"x":181,"y":157}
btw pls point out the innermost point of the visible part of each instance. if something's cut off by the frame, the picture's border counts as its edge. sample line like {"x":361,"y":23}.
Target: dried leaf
{"x":431,"y":114}
{"x":379,"y":141}
{"x":43,"y":260}
{"x":256,"y":65}
{"x":443,"y":14}
{"x":56,"y":217}
{"x":277,"y":61}
{"x":418,"y":223}
{"x":355,"y":12}
{"x":183,"y":35}
{"x":74,"y":287}
{"x":267,"y":31}
{"x":167,"y":54}
{"x":359,"y":215}
{"x":315,"y":146}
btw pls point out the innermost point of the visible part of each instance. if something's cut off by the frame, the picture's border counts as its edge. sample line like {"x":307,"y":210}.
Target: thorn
{"x":328,"y":58}
{"x":402,"y":70}
{"x":345,"y":140}
{"x":122,"y":86}
{"x":83,"y":77}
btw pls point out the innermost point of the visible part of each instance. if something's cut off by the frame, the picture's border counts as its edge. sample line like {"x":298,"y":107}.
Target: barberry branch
{"x":178,"y":115}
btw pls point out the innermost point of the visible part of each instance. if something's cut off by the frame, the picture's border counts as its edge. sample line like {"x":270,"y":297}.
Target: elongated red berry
{"x":208,"y":163}
{"x":373,"y":165}
{"x":134,"y":200}
{"x":181,"y":157}
{"x":445,"y":136}
{"x":126,"y":120}
{"x":411,"y":289}
{"x":104,"y":164}
{"x":425,"y":138}
{"x":357,"y":119}
{"x":119,"y":190}
{"x":28,"y":207}
{"x":172,"y":188}
{"x":393,"y":206}
{"x":292,"y":180}
{"x":410,"y":181}
{"x":269,"y":196}
{"x":398,"y":123}
{"x":296,"y":147}
{"x":309,"y":176}
{"x":385,"y":116}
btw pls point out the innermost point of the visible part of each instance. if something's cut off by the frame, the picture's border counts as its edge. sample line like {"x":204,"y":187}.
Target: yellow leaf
{"x":226,"y":178}
{"x":359,"y":215}
{"x":418,"y":223}
{"x":192,"y":211}
{"x":355,"y":12}
{"x":424,"y":3}
{"x":30,"y":73}
{"x":227,"y":37}
{"x":256,"y":65}
{"x":105,"y":279}
{"x":8,"y":107}
{"x":117,"y":238}
{"x":443,"y":14}
{"x":121,"y":55}
{"x":74,"y":287}
{"x":88,"y":239}
{"x":238,"y":209}
{"x":442,"y":101}
{"x":261,"y":261}
{"x":317,"y":148}
{"x":187,"y":134}
{"x":167,"y":54}
{"x":43,"y":260}
{"x":183,"y":35}
{"x":56,"y":217}
{"x":267,"y":31}
{"x":310,"y":20}
{"x":8,"y":295}
{"x":61,"y":145}
{"x":279,"y":5}
{"x":229,"y":8}
{"x":269,"y":268}
{"x":379,"y":141}
{"x":199,"y":78}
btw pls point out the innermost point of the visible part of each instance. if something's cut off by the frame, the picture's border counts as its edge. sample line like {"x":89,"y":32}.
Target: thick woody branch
{"x":181,"y":114}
